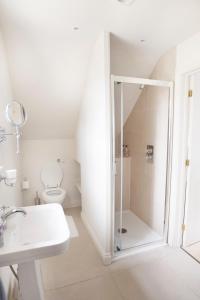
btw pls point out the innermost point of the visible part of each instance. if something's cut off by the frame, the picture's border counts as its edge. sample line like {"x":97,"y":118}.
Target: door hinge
{"x":183,"y":227}
{"x":187,"y":162}
{"x":190,"y":93}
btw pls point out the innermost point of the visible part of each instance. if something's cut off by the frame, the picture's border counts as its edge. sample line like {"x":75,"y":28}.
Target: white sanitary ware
{"x":52,"y":176}
{"x":42,"y":232}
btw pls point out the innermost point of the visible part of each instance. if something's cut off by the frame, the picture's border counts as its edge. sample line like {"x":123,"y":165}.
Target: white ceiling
{"x":48,"y":59}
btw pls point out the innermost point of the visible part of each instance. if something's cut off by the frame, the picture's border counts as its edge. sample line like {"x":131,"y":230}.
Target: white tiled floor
{"x":161,"y":274}
{"x":138,"y":233}
{"x":194,"y":250}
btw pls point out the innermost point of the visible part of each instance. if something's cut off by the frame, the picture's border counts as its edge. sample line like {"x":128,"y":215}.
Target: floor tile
{"x":156,"y":254}
{"x":152,"y":281}
{"x":186,"y":268}
{"x":158,"y":274}
{"x":100,"y":288}
{"x":194,"y":250}
{"x":80,"y":262}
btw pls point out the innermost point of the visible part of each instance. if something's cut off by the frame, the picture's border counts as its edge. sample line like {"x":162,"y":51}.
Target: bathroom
{"x":97,"y":182}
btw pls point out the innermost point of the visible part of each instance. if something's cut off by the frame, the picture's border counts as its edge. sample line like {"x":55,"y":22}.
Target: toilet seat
{"x":54,"y":192}
{"x":53,"y":195}
{"x":51,"y":177}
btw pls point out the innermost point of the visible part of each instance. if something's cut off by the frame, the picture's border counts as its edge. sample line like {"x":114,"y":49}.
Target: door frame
{"x":187,"y":136}
{"x":149,"y":82}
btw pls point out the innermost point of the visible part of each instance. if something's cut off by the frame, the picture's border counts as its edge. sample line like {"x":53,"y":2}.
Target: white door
{"x":192,"y":210}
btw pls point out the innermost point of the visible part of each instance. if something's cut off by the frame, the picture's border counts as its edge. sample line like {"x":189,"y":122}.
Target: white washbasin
{"x":41,"y":233}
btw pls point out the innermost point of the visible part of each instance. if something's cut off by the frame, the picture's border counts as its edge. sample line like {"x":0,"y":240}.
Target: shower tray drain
{"x":122,"y":230}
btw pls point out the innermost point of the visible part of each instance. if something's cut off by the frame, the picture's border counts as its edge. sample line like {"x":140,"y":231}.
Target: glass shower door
{"x":118,"y":157}
{"x":141,"y":156}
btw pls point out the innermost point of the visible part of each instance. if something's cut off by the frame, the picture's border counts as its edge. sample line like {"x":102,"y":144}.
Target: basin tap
{"x":1,"y":234}
{"x":3,"y":220}
{"x":13,"y":211}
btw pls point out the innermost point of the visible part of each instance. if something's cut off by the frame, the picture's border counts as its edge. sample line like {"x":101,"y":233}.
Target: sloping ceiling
{"x":48,"y":58}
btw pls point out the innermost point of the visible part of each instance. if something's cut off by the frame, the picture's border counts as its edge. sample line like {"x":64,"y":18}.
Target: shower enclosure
{"x":142,"y":142}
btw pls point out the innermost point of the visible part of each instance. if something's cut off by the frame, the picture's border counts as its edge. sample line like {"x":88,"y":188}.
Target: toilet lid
{"x":52,"y":175}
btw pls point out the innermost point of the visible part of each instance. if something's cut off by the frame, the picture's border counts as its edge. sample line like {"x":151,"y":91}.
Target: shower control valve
{"x":150,"y":152}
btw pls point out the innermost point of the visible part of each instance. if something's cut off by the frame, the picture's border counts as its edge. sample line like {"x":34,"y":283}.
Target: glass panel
{"x":118,"y":93}
{"x":141,"y":160}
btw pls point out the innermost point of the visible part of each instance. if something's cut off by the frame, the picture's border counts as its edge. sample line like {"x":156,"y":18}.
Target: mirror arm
{"x":4,"y":134}
{"x":18,"y":135}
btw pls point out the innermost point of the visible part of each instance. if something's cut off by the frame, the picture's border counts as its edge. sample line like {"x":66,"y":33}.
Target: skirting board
{"x":106,"y":257}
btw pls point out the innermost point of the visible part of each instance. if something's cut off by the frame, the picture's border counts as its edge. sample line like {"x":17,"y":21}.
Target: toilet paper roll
{"x":25,"y":185}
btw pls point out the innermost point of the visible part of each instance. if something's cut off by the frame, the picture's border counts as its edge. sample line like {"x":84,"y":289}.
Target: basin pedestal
{"x":30,"y":282}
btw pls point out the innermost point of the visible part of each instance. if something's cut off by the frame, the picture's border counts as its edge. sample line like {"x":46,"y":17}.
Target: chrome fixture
{"x":16,"y":115}
{"x":3,"y":219}
{"x":8,"y":176}
{"x":150,"y":153}
{"x":2,"y":135}
{"x":11,"y":212}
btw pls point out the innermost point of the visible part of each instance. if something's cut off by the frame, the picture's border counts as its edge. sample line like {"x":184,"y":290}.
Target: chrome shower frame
{"x":141,"y":82}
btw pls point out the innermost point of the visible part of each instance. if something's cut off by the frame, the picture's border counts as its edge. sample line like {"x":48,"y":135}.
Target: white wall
{"x":128,"y":59}
{"x":37,"y":153}
{"x":188,"y":60}
{"x":148,"y":124}
{"x":8,"y":158}
{"x":93,"y":146}
{"x":48,"y":58}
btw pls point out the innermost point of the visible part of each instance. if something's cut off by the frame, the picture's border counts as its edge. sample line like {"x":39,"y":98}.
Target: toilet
{"x":51,"y":177}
